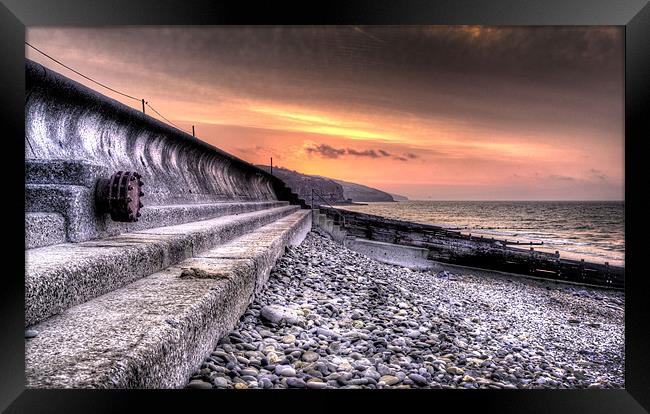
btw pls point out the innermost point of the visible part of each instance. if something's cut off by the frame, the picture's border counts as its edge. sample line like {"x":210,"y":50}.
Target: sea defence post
{"x":144,"y":245}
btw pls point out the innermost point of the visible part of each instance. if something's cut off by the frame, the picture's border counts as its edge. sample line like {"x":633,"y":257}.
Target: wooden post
{"x":193,"y":131}
{"x":142,"y":105}
{"x":271,"y":165}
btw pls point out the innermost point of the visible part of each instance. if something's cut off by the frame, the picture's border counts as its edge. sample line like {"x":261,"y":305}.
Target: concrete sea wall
{"x":76,"y":136}
{"x":64,"y":120}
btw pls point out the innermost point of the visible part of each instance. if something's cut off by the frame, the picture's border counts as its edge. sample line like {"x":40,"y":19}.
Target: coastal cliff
{"x":333,"y":190}
{"x":362,"y":193}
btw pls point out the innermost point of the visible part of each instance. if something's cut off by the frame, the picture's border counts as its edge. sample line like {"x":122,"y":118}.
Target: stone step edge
{"x":152,"y":217}
{"x":154,"y":332}
{"x":60,"y":276}
{"x":173,"y":214}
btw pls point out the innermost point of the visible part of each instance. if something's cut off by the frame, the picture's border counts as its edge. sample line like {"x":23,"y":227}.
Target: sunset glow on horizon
{"x":441,"y":112}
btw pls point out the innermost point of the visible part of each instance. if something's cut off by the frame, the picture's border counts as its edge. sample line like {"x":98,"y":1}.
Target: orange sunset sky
{"x":441,"y":112}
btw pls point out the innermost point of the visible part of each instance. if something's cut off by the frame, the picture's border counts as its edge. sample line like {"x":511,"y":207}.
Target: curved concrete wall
{"x":65,"y":120}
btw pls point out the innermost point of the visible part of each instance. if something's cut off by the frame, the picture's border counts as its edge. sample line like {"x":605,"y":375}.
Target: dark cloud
{"x":326,"y":151}
{"x":552,"y":53}
{"x":597,"y":174}
{"x":523,"y":75}
{"x":364,"y":153}
{"x":561,"y":177}
{"x":251,"y":150}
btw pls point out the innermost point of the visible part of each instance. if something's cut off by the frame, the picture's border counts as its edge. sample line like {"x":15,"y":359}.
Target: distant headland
{"x":334,"y":191}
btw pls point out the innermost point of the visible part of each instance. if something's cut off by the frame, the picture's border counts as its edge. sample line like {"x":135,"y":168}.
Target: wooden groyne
{"x":453,"y":247}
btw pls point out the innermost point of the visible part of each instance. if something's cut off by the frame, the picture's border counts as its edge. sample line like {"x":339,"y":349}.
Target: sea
{"x":589,"y":230}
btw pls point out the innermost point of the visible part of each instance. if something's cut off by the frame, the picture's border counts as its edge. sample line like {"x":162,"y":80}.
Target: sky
{"x":428,"y":112}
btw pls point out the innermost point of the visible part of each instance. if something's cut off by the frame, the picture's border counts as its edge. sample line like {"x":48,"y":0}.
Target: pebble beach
{"x":332,"y":318}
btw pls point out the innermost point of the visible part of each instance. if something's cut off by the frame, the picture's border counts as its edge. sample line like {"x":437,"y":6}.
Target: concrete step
{"x":44,"y":229}
{"x":82,"y":223}
{"x":154,"y":332}
{"x":60,"y":276}
{"x":154,"y":216}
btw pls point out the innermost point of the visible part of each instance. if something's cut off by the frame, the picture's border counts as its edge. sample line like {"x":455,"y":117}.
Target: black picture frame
{"x":633,"y":14}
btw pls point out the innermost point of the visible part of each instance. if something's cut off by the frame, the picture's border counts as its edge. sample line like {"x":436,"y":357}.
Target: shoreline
{"x":598,"y":248}
{"x":332,"y":318}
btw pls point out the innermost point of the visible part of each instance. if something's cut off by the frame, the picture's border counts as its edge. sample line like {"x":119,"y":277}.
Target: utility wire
{"x":161,"y":115}
{"x":104,"y":86}
{"x":81,"y":74}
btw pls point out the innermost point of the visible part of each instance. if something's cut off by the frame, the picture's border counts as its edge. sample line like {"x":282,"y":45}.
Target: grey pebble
{"x":333,"y":314}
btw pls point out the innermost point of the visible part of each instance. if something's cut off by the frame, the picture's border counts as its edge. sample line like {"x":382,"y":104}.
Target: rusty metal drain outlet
{"x":120,"y":196}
